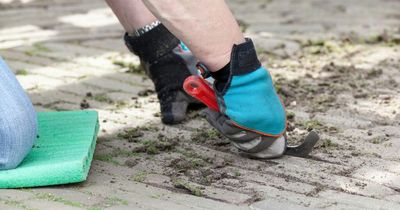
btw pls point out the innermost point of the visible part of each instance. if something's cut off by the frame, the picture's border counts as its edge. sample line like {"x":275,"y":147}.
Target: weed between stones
{"x":153,"y":147}
{"x":140,"y":176}
{"x":194,"y":190}
{"x":133,"y":134}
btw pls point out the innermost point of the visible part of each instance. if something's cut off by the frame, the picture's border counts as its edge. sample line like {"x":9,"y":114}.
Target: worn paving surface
{"x":336,"y":64}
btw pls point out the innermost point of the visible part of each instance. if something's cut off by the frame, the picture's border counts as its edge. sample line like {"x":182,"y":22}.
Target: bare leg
{"x":161,"y":55}
{"x":211,"y":32}
{"x":132,"y":14}
{"x":206,"y":26}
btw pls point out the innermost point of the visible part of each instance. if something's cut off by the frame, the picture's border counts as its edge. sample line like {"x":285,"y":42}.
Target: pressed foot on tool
{"x":168,"y":62}
{"x":249,"y":144}
{"x":251,"y":113}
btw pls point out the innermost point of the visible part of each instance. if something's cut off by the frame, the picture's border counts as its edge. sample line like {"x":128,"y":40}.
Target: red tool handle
{"x":198,"y":88}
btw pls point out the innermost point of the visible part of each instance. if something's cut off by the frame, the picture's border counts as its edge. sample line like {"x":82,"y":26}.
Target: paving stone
{"x":71,"y":195}
{"x":15,"y":195}
{"x":40,"y":204}
{"x":8,"y":207}
{"x":272,"y":204}
{"x":359,"y":201}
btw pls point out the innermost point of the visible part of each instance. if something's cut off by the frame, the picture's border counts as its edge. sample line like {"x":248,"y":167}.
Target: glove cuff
{"x":249,"y":98}
{"x":152,"y":45}
{"x":244,"y":58}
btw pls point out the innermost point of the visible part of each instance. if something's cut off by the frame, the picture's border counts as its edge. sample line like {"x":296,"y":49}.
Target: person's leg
{"x":246,"y":96}
{"x":206,"y":26}
{"x":132,"y":14}
{"x":18,"y":123}
{"x":164,"y":58}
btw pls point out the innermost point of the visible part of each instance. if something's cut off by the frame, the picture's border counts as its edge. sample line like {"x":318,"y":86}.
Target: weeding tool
{"x":199,"y":88}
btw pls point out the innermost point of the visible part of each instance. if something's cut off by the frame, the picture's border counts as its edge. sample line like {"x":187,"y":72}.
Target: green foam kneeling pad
{"x":62,"y":153}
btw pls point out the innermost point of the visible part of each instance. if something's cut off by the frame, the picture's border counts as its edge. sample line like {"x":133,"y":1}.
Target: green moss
{"x":94,"y":208}
{"x":112,"y":201}
{"x":140,"y":176}
{"x":321,"y":46}
{"x":52,"y":197}
{"x":102,"y":97}
{"x":213,"y":134}
{"x":152,"y":150}
{"x":156,"y":196}
{"x":106,"y":158}
{"x":36,"y":49}
{"x":197,"y":162}
{"x":291,"y":115}
{"x":153,"y":147}
{"x":190,"y":161}
{"x":120,"y":104}
{"x":193,"y":155}
{"x":237,"y":173}
{"x":82,"y":77}
{"x":204,"y":135}
{"x":30,"y":53}
{"x":118,"y":152}
{"x":22,"y":72}
{"x":378,"y":140}
{"x":131,"y":134}
{"x":16,"y":204}
{"x":41,"y":47}
{"x":328,"y":143}
{"x":313,"y":125}
{"x":194,"y":190}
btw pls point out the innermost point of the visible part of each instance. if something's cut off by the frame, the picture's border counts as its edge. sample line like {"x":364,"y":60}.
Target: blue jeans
{"x":18,"y":122}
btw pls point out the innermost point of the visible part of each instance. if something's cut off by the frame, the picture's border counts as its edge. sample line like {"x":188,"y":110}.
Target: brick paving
{"x":67,"y":51}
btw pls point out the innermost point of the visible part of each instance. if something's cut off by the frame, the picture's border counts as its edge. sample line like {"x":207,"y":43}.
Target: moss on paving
{"x":36,"y":49}
{"x":132,"y":134}
{"x":203,"y":135}
{"x":290,"y":115}
{"x":156,"y":146}
{"x":378,"y":140}
{"x":313,"y":125}
{"x":113,"y":201}
{"x":22,"y":72}
{"x":118,"y":152}
{"x":109,"y":158}
{"x":16,"y":204}
{"x":54,"y":198}
{"x":328,"y":143}
{"x":102,"y":97}
{"x":94,"y":208}
{"x":140,"y":176}
{"x":181,"y":184}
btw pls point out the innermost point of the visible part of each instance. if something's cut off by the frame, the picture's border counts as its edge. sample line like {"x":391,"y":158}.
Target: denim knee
{"x":17,"y":133}
{"x":18,"y":122}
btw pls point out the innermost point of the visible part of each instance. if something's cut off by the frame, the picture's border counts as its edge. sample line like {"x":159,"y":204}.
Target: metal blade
{"x":304,"y":149}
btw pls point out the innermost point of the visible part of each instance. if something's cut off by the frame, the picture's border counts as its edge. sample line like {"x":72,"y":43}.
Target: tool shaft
{"x":199,"y":88}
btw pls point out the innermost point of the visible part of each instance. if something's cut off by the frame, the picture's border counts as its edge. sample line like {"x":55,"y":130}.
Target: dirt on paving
{"x":336,"y":65}
{"x":331,"y":81}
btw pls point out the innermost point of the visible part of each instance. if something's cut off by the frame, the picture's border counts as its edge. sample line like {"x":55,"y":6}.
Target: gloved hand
{"x":168,"y":62}
{"x":252,"y":114}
